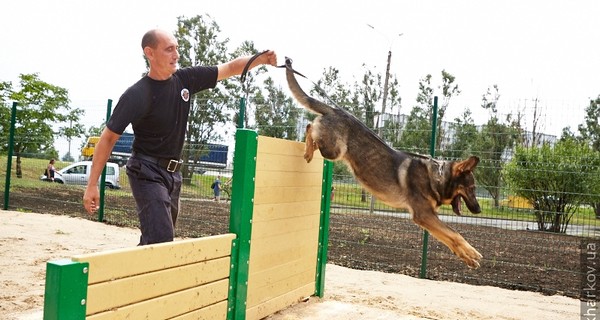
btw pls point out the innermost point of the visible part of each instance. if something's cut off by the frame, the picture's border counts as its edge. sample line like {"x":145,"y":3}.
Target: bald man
{"x":157,"y":107}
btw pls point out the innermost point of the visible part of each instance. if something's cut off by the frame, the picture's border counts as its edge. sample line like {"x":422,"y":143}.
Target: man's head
{"x":161,"y":50}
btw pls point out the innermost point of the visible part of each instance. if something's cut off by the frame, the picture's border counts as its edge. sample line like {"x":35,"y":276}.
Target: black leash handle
{"x":247,"y":66}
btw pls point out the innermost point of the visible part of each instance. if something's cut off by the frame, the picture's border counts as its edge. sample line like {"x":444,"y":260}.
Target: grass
{"x":32,"y":169}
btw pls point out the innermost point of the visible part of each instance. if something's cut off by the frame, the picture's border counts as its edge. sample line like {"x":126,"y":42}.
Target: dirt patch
{"x":513,"y":259}
{"x":28,"y":240}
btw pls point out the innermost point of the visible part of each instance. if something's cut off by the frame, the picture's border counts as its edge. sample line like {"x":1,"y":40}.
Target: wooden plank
{"x":214,"y":312}
{"x":115,"y":264}
{"x":266,"y":259}
{"x":288,"y":178}
{"x":112,"y":294}
{"x":288,"y":194}
{"x":280,"y":146}
{"x":268,"y":252}
{"x":263,"y":229}
{"x":258,"y":295}
{"x":283,"y":163}
{"x":281,"y":272}
{"x":279,"y":211}
{"x":171,"y":305}
{"x":279,"y":303}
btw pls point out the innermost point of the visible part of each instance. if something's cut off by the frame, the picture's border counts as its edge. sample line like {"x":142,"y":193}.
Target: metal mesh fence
{"x":527,"y":245}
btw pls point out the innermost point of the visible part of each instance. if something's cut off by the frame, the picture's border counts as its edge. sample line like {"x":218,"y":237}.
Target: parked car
{"x":79,"y":173}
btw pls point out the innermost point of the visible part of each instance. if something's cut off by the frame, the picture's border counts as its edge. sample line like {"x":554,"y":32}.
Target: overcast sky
{"x":532,"y":49}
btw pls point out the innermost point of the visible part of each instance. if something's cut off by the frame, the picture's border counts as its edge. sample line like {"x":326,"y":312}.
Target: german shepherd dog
{"x":414,"y":182}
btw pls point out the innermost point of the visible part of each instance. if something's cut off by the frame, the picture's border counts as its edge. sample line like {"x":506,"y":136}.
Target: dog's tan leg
{"x":311,"y":145}
{"x":449,"y":237}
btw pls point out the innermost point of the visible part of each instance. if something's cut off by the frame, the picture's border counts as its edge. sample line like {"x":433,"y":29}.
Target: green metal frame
{"x":423,"y":273}
{"x":65,"y":295}
{"x":11,"y":143}
{"x":324,"y":227}
{"x":240,"y":221}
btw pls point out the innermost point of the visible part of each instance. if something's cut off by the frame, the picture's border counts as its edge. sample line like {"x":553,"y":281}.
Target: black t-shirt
{"x":158,"y":110}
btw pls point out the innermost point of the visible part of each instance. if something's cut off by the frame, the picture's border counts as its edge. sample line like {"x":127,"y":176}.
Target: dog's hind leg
{"x":449,"y":237}
{"x":311,"y":145}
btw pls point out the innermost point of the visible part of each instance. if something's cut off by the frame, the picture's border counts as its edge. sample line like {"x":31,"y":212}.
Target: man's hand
{"x":269,"y":57}
{"x":91,"y":199}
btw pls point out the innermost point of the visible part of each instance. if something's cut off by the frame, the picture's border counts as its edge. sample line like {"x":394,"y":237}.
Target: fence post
{"x":240,"y":124}
{"x":324,"y":227}
{"x":240,"y":221}
{"x":103,"y":176}
{"x":423,"y":273}
{"x":11,"y":143}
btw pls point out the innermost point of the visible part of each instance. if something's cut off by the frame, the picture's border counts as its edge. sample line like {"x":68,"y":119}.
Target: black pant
{"x":156,"y":193}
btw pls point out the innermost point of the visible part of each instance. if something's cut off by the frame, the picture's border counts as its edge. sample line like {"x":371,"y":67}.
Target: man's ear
{"x":149,"y":53}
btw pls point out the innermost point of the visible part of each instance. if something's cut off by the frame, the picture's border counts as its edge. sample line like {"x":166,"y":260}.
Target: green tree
{"x":464,"y":136}
{"x":555,"y":180}
{"x":369,"y":92}
{"x":590,"y":132}
{"x":492,"y":143}
{"x":199,"y":44}
{"x":74,"y":130}
{"x":449,"y":90}
{"x":248,"y":88}
{"x":276,"y":114}
{"x":40,"y":107}
{"x":393,"y":121}
{"x":416,"y":134}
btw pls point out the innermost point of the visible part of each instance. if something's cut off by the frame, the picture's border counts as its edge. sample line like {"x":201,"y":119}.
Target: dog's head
{"x":462,"y":185}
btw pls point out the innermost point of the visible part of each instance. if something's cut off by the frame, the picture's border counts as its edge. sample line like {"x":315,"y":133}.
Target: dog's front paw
{"x":309,"y":151}
{"x":308,"y":157}
{"x":469,"y":255}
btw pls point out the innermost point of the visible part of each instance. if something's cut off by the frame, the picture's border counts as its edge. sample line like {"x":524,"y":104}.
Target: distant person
{"x":50,"y":170}
{"x":216,"y":186}
{"x":157,"y":107}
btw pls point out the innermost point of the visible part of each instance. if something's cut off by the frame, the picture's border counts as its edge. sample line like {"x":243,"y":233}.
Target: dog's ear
{"x":465,"y":165}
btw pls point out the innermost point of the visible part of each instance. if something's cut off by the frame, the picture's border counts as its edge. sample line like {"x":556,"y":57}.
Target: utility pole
{"x":385,"y":95}
{"x":385,"y":89}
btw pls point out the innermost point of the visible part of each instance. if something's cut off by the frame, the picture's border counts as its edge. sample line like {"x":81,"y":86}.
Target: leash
{"x":247,"y":66}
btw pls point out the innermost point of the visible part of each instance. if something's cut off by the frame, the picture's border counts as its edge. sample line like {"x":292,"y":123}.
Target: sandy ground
{"x":29,"y":240}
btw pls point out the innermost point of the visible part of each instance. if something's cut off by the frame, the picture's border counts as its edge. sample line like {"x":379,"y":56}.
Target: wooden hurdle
{"x":274,"y":256}
{"x":282,"y":226}
{"x":186,"y":279}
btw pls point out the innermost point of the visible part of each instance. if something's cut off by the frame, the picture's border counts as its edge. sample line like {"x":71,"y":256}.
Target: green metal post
{"x":324,"y":227}
{"x":242,"y":209}
{"x":103,"y":176}
{"x":242,"y":113}
{"x":423,"y":273}
{"x":65,"y":295}
{"x":11,"y":143}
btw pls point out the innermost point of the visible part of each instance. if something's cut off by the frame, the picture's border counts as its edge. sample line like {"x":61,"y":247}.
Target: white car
{"x":79,"y":172}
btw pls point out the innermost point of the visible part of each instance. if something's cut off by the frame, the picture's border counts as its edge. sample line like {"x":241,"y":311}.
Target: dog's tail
{"x":307,"y":101}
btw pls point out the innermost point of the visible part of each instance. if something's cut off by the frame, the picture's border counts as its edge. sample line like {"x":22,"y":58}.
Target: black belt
{"x":171,"y":165}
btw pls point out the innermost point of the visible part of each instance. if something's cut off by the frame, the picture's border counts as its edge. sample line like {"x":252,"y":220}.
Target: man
{"x":157,"y":107}
{"x":216,"y":186}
